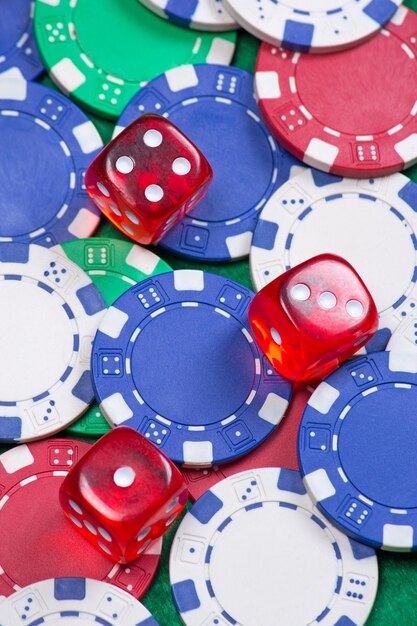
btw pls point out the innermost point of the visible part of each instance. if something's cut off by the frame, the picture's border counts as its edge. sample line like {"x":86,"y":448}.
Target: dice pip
{"x":148,"y":177}
{"x":312,"y":317}
{"x":123,"y":494}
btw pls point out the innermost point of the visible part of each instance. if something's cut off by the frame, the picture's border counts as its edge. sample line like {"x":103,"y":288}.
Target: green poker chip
{"x":113,"y":265}
{"x":92,"y":423}
{"x":102,"y":51}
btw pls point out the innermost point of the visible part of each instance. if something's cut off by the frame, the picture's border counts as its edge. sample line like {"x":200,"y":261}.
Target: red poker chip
{"x":37,"y":542}
{"x":278,"y":450}
{"x":351,"y":113}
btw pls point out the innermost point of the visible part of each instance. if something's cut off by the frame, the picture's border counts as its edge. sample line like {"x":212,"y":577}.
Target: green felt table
{"x":396,"y":603}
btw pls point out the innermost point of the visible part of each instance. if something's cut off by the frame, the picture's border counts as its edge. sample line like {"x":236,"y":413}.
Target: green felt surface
{"x":396,"y":603}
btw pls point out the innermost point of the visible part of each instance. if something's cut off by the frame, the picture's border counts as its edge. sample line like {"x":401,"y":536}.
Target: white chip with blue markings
{"x":200,"y":14}
{"x":372,"y":223}
{"x":49,"y":313}
{"x":73,"y":602}
{"x":319,"y":26}
{"x":254,"y":550}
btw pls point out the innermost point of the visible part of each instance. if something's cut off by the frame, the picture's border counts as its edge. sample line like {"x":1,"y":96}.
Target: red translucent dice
{"x":123,"y":494}
{"x":313,"y":317}
{"x":148,"y":178}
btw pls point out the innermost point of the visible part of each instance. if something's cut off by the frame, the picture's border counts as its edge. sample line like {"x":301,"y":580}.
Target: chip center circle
{"x":32,"y":193}
{"x":291,"y":545}
{"x":35,"y":329}
{"x":193,"y":365}
{"x":328,"y":85}
{"x":331,"y":226}
{"x":374,"y":446}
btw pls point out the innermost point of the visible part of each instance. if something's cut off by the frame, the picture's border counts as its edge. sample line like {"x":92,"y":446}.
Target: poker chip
{"x":47,"y":144}
{"x":356,"y":449}
{"x":49,"y":313}
{"x":174,"y":358}
{"x":216,"y":108}
{"x":19,"y":55}
{"x":404,"y":338}
{"x":280,"y":449}
{"x":75,"y":600}
{"x":101,"y":53}
{"x":92,"y":423}
{"x":200,"y":14}
{"x":370,"y":223}
{"x":113,"y":265}
{"x":288,"y":565}
{"x":323,"y":108}
{"x":312,"y":27}
{"x":41,"y":543}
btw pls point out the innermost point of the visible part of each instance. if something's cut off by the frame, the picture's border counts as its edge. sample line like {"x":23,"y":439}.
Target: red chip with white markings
{"x":278,"y":450}
{"x":37,"y":541}
{"x":351,"y":113}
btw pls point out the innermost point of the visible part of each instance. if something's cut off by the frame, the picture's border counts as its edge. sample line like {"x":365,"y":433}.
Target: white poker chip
{"x":73,"y":602}
{"x":315,"y":26}
{"x":255,"y":551}
{"x":208,"y":15}
{"x":372,"y":223}
{"x":49,"y":313}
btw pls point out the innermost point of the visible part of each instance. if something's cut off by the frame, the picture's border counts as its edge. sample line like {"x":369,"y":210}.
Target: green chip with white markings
{"x":101,"y":52}
{"x":113,"y":265}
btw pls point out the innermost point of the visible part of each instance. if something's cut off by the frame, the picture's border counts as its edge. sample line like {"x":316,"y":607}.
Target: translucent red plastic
{"x":123,"y":494}
{"x":148,"y":178}
{"x":313,"y":317}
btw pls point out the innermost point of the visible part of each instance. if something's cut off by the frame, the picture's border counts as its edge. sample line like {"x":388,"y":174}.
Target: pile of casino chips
{"x":295,"y":486}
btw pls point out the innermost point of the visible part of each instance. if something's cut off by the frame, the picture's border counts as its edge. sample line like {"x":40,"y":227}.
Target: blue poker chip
{"x":174,"y":358}
{"x":357,"y":453}
{"x":49,"y":312}
{"x":73,"y":601}
{"x":19,"y":55}
{"x":215,"y":106}
{"x":47,"y":144}
{"x":372,"y":223}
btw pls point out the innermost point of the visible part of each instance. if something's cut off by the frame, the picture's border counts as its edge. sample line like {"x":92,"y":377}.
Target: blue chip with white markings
{"x":73,"y":601}
{"x":19,"y":56}
{"x":325,"y":26}
{"x":47,"y":143}
{"x":357,"y":453}
{"x":215,"y":107}
{"x":254,"y":550}
{"x":49,"y":312}
{"x":200,"y":14}
{"x":174,"y":358}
